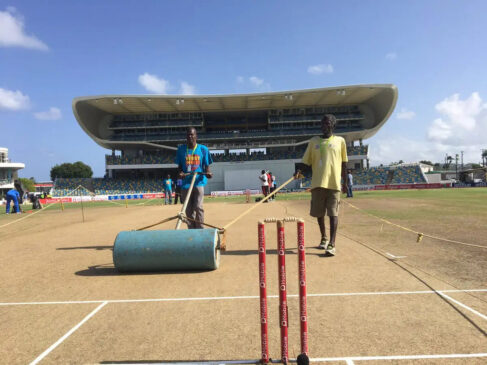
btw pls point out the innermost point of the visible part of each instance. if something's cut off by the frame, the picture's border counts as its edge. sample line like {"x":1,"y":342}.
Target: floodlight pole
{"x":456,"y":166}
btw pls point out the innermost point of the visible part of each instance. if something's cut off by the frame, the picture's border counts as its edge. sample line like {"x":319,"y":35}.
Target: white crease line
{"x":69,"y":333}
{"x":244,"y":297}
{"x":349,"y":360}
{"x":398,"y":357}
{"x":463,"y":305}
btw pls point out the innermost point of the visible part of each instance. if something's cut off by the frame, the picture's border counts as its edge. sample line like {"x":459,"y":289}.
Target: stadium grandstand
{"x":245,"y":133}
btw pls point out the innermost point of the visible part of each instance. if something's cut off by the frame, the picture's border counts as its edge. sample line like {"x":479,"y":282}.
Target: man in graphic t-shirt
{"x":194,"y":158}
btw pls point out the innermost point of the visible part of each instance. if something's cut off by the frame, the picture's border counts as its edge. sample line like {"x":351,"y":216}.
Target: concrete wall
{"x":433,"y":178}
{"x":226,"y":174}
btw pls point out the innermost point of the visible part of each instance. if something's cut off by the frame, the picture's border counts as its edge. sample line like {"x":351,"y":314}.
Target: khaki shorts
{"x":324,"y":202}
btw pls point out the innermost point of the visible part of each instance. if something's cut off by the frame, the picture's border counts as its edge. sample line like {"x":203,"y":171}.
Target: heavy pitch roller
{"x":168,"y":250}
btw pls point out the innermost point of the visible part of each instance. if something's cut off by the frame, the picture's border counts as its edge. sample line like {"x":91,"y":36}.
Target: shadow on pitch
{"x":289,"y":251}
{"x":86,"y":248}
{"x":109,"y":270}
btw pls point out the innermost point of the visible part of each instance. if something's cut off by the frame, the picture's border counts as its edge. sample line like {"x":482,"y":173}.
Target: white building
{"x":8,"y":171}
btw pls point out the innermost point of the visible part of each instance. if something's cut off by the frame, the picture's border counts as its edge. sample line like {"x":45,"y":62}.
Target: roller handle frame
{"x":188,"y":195}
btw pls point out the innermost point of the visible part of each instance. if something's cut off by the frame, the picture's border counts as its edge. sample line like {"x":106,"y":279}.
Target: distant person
{"x":273,"y":185}
{"x":327,"y":157}
{"x":194,"y":158}
{"x":269,"y":179}
{"x":34,"y":199}
{"x":349,"y":184}
{"x":264,"y":182}
{"x":168,"y":190}
{"x":13,"y":196}
{"x":177,"y":195}
{"x":18,"y":187}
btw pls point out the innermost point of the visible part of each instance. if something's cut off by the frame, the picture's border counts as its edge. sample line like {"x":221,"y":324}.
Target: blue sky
{"x":53,"y":51}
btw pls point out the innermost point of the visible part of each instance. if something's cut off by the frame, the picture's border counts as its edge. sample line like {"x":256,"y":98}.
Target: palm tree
{"x":484,"y":157}
{"x":448,"y":160}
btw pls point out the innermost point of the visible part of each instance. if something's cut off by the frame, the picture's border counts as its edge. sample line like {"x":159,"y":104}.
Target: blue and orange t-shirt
{"x":193,"y":160}
{"x":168,"y":184}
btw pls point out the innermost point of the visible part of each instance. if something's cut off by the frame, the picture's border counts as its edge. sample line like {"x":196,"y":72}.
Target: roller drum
{"x":168,"y":250}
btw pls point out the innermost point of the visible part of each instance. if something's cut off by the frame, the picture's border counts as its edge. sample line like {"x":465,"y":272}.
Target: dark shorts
{"x":194,"y":208}
{"x":324,"y":202}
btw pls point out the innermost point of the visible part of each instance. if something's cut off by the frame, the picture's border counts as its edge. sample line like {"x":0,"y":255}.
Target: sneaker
{"x":323,"y":244}
{"x":330,"y":250}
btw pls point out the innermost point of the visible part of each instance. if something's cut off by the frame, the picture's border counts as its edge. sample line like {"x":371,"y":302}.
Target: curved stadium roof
{"x":94,"y":113}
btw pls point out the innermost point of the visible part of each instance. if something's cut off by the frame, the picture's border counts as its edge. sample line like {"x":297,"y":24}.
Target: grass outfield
{"x":424,"y":204}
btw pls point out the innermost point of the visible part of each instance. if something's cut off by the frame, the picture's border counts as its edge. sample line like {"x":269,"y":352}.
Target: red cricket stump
{"x":283,"y":309}
{"x":264,"y":336}
{"x":303,"y":312}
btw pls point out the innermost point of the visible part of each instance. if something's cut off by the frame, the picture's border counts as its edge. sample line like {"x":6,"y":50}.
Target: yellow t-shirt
{"x":325,"y":156}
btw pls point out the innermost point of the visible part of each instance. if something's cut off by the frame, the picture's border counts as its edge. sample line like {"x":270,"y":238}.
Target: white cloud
{"x":187,"y":89}
{"x":462,"y":113}
{"x":461,"y":127}
{"x":405,"y":114}
{"x":13,"y":100}
{"x":395,"y":148}
{"x":391,"y":56}
{"x":52,"y":114}
{"x":256,"y":81}
{"x":439,"y":130}
{"x":259,"y":83}
{"x":253,"y":82}
{"x":154,"y":84}
{"x":12,"y":33}
{"x":462,"y":123}
{"x":320,"y":69}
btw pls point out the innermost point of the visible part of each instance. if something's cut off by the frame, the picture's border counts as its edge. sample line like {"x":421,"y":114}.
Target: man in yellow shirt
{"x":327,"y":157}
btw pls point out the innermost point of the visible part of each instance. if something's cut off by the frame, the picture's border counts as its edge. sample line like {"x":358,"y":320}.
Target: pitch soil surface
{"x":383,"y":294}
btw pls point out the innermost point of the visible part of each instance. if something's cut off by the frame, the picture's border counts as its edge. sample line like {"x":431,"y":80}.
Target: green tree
{"x":27,"y":184}
{"x":71,"y":170}
{"x":427,"y":162}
